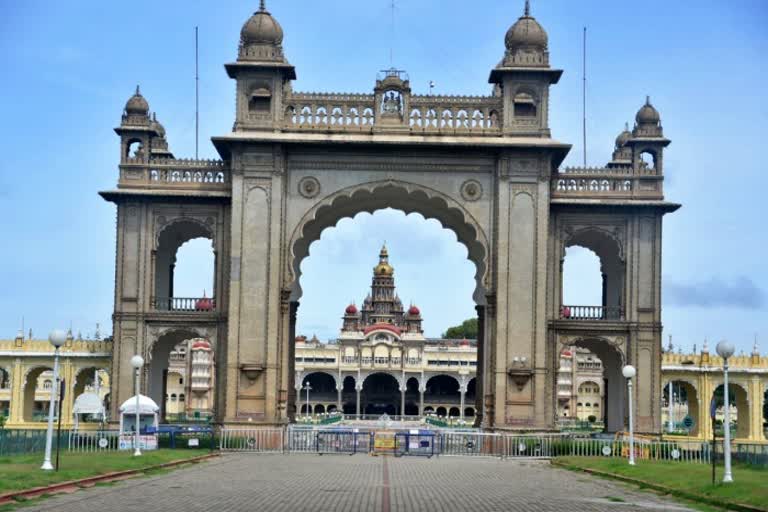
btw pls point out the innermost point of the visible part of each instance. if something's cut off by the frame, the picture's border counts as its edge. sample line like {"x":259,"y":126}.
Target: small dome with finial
{"x":526,"y":32}
{"x":261,"y":28}
{"x":647,"y":114}
{"x":157,"y":126}
{"x":137,"y":105}
{"x":351,"y":309}
{"x":623,"y":137}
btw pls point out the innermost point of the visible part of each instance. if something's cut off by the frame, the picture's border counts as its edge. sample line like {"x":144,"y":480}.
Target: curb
{"x":74,"y":485}
{"x":728,"y":505}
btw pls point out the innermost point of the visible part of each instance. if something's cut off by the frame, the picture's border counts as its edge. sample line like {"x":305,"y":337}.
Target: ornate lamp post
{"x":307,"y":388}
{"x":57,"y":337}
{"x":137,"y":362}
{"x":629,"y":372}
{"x":725,"y":350}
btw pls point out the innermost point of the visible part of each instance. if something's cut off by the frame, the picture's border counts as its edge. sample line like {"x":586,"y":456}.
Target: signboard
{"x":383,"y":443}
{"x":146,"y":442}
{"x":103,"y":442}
{"x":193,"y":442}
{"x":688,"y":422}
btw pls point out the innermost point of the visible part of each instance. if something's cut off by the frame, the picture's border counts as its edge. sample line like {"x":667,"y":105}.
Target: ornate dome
{"x":137,"y":104}
{"x":351,"y":309}
{"x":158,"y":127}
{"x":526,"y":32}
{"x":261,"y":28}
{"x":201,"y":345}
{"x":623,"y":137}
{"x":383,"y":268}
{"x":414,"y":311}
{"x":647,"y":113}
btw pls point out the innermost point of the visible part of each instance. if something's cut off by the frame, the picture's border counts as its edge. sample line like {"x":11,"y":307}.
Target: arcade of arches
{"x":486,"y":167}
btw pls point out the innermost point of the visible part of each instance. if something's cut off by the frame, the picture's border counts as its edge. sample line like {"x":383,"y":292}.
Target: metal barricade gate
{"x":415,"y":443}
{"x":334,"y":441}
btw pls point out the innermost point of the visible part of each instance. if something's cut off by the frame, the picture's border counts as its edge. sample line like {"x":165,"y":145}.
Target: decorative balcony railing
{"x":429,"y":115}
{"x":620,"y":182}
{"x":184,"y":304}
{"x":591,"y":313}
{"x":168,"y":173}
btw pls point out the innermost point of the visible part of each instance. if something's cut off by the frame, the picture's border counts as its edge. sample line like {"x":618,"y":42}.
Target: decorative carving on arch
{"x":298,"y":380}
{"x":364,"y":376}
{"x":163,"y":222}
{"x":571,"y":232}
{"x":616,"y":342}
{"x":155,"y":333}
{"x":471,"y":190}
{"x":28,"y":370}
{"x":688,"y":380}
{"x":402,"y":195}
{"x":309,"y":187}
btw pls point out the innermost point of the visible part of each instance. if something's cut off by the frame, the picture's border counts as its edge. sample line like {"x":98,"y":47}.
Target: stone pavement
{"x":250,"y":482}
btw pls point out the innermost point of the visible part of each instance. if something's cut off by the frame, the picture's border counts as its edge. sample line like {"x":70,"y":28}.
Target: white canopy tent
{"x":148,"y":412}
{"x":88,"y":403}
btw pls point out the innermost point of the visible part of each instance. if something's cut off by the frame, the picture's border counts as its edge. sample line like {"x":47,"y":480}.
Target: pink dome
{"x":414,"y":311}
{"x":351,"y":309}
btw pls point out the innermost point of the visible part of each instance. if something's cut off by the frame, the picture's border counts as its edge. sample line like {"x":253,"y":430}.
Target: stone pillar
{"x":755,"y":404}
{"x":480,"y":370}
{"x":339,"y":388}
{"x":358,"y":390}
{"x":402,"y":401}
{"x":16,"y":407}
{"x":422,"y":389}
{"x":462,"y":390}
{"x":291,"y":410}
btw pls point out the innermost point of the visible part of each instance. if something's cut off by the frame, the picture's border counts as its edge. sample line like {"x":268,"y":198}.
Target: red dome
{"x":465,"y":342}
{"x":351,"y":309}
{"x":201,"y":345}
{"x":414,"y":311}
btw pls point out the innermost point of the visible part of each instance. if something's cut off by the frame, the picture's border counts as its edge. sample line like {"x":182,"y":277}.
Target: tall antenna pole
{"x":197,"y":98}
{"x":392,"y":39}
{"x":584,"y":96}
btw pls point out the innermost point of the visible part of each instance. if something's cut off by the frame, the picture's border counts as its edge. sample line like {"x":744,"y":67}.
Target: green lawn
{"x":750,"y":485}
{"x":19,"y":472}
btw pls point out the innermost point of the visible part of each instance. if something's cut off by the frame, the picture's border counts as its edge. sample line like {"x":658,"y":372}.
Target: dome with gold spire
{"x":383,"y":268}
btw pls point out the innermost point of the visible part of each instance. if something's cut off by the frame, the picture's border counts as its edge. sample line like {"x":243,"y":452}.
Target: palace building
{"x":383,"y":363}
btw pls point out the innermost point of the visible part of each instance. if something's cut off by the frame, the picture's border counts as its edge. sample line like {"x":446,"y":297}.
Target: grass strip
{"x":748,"y":492}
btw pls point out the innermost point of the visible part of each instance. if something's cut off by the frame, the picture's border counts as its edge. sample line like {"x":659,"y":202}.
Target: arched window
{"x":525,"y":105}
{"x":181,"y":397}
{"x":173,"y":397}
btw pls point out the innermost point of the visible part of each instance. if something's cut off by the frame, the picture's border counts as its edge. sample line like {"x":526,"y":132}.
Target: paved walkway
{"x":251,"y":482}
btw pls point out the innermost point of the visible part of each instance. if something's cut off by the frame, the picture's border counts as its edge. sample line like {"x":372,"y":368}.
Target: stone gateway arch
{"x":484,"y":166}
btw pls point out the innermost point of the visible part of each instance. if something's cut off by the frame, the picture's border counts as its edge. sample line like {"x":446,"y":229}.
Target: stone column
{"x":291,"y":408}
{"x":338,"y":396}
{"x":422,"y":389}
{"x":402,"y":401}
{"x":358,"y":390}
{"x":463,"y":391}
{"x":16,"y":406}
{"x":480,"y":370}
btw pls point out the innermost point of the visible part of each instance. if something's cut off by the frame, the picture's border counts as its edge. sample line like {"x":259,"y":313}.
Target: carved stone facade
{"x":485,"y":167}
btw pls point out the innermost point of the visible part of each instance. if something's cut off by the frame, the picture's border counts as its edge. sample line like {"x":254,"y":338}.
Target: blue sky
{"x":69,"y":67}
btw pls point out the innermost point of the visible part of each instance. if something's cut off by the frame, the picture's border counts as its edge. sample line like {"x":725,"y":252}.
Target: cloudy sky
{"x":69,"y":67}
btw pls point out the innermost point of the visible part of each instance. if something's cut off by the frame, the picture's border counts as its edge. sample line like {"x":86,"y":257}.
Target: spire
{"x":527,"y":12}
{"x":754,"y":347}
{"x":705,"y":348}
{"x":262,"y":6}
{"x":647,"y":100}
{"x":138,"y":92}
{"x":626,"y":127}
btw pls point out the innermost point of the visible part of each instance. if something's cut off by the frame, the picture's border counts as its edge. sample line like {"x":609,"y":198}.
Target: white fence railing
{"x":93,"y":441}
{"x":305,"y":439}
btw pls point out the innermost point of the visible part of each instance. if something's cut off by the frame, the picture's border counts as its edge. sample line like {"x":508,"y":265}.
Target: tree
{"x":467,"y":330}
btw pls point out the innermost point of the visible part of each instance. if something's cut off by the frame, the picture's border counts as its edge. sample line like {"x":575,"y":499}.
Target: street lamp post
{"x":57,"y":339}
{"x":629,"y":372}
{"x":725,"y":350}
{"x":307,"y":388}
{"x":137,"y":362}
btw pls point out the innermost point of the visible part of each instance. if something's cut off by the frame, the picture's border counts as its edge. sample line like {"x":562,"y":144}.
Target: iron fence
{"x":266,"y":440}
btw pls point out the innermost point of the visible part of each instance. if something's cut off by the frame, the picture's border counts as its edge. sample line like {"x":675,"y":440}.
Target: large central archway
{"x":399,"y":195}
